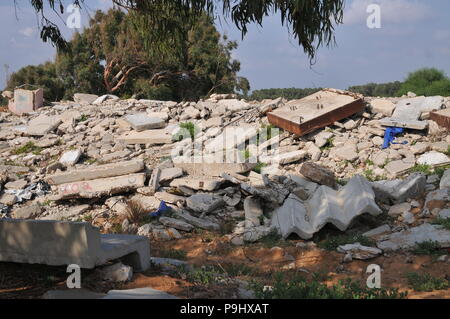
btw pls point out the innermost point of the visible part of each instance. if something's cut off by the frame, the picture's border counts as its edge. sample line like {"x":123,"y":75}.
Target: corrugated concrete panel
{"x":325,"y":206}
{"x":318,"y":110}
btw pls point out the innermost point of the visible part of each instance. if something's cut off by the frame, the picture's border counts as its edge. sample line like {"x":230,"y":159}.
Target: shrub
{"x":426,"y":282}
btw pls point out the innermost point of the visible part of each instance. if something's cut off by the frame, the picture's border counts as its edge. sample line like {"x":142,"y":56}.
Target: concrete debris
{"x":26,"y":101}
{"x":141,"y":122}
{"x":358,"y":251}
{"x":117,"y":273}
{"x":433,"y":159}
{"x":318,"y":174}
{"x":64,"y":243}
{"x":70,"y":158}
{"x":408,"y":239}
{"x":377,"y":231}
{"x":442,"y":118}
{"x":445,"y":180}
{"x":326,"y":206}
{"x":315,"y":111}
{"x":397,"y":191}
{"x":204,"y":203}
{"x":84,"y":98}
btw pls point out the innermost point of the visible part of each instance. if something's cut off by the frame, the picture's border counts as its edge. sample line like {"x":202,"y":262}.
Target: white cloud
{"x":28,"y":32}
{"x":392,"y":11}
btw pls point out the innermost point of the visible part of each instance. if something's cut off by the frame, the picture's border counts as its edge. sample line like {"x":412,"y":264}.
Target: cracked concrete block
{"x":204,"y":203}
{"x":445,"y":180}
{"x":433,"y":159}
{"x":358,"y":251}
{"x":398,"y":191}
{"x":95,"y":172}
{"x":325,"y":206}
{"x":56,"y":243}
{"x":198,"y":222}
{"x":409,"y":238}
{"x":141,"y":122}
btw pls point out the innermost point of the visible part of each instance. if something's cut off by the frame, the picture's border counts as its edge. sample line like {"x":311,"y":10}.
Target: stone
{"x":168,"y":174}
{"x":72,"y":294}
{"x":377,"y":231}
{"x":153,"y":184}
{"x":26,"y":101}
{"x":350,"y":125}
{"x":420,"y":148}
{"x":84,"y":98}
{"x":198,"y":222}
{"x":445,"y":180}
{"x":253,"y":212}
{"x":57,"y":243}
{"x":204,"y":203}
{"x":19,"y":184}
{"x":399,"y":209}
{"x":104,"y":98}
{"x":284,"y":158}
{"x":358,"y":251}
{"x":382,"y":106}
{"x":117,"y":273}
{"x":141,"y":122}
{"x":96,"y":172}
{"x":444,"y":214}
{"x":323,"y":138}
{"x":176,"y":223}
{"x":101,"y":187}
{"x":160,"y":115}
{"x":233,"y":105}
{"x":436,"y":200}
{"x":346,"y":153}
{"x":199,"y":168}
{"x":408,"y":239}
{"x":396,"y":168}
{"x":148,"y":137}
{"x":325,"y":206}
{"x":138,"y":293}
{"x":169,"y":198}
{"x":70,"y":158}
{"x":27,"y":212}
{"x":207,"y":184}
{"x":398,"y":191}
{"x":42,"y":125}
{"x":433,"y":159}
{"x":8,"y":199}
{"x":69,"y":213}
{"x":318,"y":174}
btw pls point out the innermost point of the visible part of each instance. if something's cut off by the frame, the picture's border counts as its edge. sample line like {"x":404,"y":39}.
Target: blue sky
{"x":413,"y":34}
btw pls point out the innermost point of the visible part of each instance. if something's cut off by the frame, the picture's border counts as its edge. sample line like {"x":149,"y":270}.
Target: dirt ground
{"x":249,"y":262}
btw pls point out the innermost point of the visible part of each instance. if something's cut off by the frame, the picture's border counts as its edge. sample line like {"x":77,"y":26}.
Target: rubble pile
{"x":162,"y":169}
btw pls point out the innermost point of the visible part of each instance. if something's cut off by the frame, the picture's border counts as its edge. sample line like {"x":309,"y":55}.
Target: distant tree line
{"x":111,"y":56}
{"x":288,"y":93}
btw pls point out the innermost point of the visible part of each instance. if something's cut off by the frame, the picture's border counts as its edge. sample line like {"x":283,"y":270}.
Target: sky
{"x":413,"y":34}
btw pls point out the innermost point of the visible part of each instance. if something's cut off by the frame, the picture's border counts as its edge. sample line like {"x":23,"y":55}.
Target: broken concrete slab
{"x":382,"y":106}
{"x":318,"y":174}
{"x":358,"y":251}
{"x":42,"y":125}
{"x":198,"y":222}
{"x":117,"y":272}
{"x":398,"y":190}
{"x":207,"y":184}
{"x":65,"y":214}
{"x":176,"y":223}
{"x":150,"y":137}
{"x":63,"y":243}
{"x":284,"y":158}
{"x":100,"y":187}
{"x":197,"y":167}
{"x":399,"y":167}
{"x":377,"y":231}
{"x":435,"y":201}
{"x":433,"y":159}
{"x":168,"y":174}
{"x":408,"y":112}
{"x":19,"y":184}
{"x":326,"y":206}
{"x":141,"y":122}
{"x":316,"y":111}
{"x":409,"y":238}
{"x":70,"y":158}
{"x":253,"y":212}
{"x":27,"y":212}
{"x":96,"y":172}
{"x":204,"y":203}
{"x":442,"y":118}
{"x":26,"y":101}
{"x":84,"y":98}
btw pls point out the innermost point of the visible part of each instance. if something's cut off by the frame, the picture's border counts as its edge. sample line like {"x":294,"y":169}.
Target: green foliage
{"x":28,"y":148}
{"x":444,"y":222}
{"x":426,"y":81}
{"x":426,"y":282}
{"x":427,"y":248}
{"x":259,"y":166}
{"x":329,"y":145}
{"x":299,"y":288}
{"x":187,"y":130}
{"x":273,"y":239}
{"x":233,"y":269}
{"x":374,"y":89}
{"x":287,"y":93}
{"x":422,"y":168}
{"x":333,"y":242}
{"x":206,"y":275}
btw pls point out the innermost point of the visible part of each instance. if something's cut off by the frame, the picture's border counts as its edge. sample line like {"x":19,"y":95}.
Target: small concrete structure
{"x":56,"y":243}
{"x":326,"y":206}
{"x":26,"y":101}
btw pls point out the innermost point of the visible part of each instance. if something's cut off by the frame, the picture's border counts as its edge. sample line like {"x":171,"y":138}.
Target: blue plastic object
{"x":162,"y":208}
{"x":389,"y":136}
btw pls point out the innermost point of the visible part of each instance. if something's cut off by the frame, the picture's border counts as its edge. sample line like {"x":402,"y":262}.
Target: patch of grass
{"x":206,"y":275}
{"x":422,"y":168}
{"x":445,"y":222}
{"x":369,"y":162}
{"x":333,"y":242}
{"x":341,"y":181}
{"x":246,"y":154}
{"x":90,"y":161}
{"x":271,"y":240}
{"x":188,"y":129}
{"x":137,"y":214}
{"x":174,"y":254}
{"x":426,"y":282}
{"x":259,"y":167}
{"x":234,"y":270}
{"x":30,"y":147}
{"x":329,"y":145}
{"x":299,"y":288}
{"x":320,"y":276}
{"x":386,"y":161}
{"x":439,"y":171}
{"x":369,"y":174}
{"x":83,"y":118}
{"x":117,"y":229}
{"x":427,"y":248}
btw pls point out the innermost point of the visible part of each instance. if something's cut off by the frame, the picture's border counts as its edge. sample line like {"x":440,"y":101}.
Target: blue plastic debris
{"x":389,"y":136}
{"x":162,"y":208}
